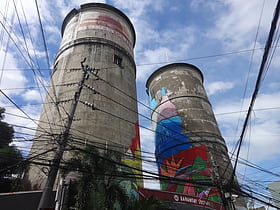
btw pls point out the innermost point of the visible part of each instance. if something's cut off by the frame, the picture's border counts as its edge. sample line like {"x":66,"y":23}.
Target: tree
{"x":6,"y":131}
{"x":9,"y":155}
{"x":98,"y":186}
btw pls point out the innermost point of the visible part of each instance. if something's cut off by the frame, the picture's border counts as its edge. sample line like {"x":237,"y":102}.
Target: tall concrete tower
{"x":189,"y":145}
{"x":106,"y":115}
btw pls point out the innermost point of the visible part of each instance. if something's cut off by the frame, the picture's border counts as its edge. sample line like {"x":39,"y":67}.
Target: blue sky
{"x":218,"y":36}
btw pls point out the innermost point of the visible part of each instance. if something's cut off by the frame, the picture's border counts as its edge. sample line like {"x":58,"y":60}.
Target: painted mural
{"x":169,"y":135}
{"x":133,"y":160}
{"x":175,"y":155}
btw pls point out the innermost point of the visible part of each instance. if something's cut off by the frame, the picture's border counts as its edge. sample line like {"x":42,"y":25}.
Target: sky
{"x":223,"y":38}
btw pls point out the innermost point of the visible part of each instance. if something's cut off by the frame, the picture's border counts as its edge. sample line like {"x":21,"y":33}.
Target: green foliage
{"x":98,"y":187}
{"x":100,"y":183}
{"x":9,"y":156}
{"x":6,"y":131}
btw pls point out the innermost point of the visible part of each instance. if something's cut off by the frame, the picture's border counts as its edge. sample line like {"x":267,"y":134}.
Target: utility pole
{"x":218,"y":182}
{"x":45,"y":200}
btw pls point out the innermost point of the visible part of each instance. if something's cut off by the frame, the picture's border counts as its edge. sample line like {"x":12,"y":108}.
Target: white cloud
{"x":166,"y":49}
{"x":148,"y":148}
{"x":263,"y":130}
{"x":274,"y":85}
{"x":138,"y":8}
{"x":264,"y":140}
{"x":11,"y":76}
{"x":17,"y":117}
{"x":32,"y":95}
{"x":154,"y":45}
{"x":233,"y":108}
{"x":218,"y":87}
{"x":150,"y":56}
{"x":147,"y":139}
{"x":275,"y":61}
{"x":236,"y":25}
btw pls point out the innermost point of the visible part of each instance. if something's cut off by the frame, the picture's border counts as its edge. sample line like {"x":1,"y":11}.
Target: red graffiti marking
{"x":109,"y":23}
{"x":135,"y":142}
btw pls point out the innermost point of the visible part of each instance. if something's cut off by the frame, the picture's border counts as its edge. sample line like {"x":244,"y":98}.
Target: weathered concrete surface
{"x":176,"y":92}
{"x":105,"y":37}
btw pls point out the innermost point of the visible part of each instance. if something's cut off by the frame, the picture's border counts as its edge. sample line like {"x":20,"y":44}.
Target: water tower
{"x":189,"y":145}
{"x":100,"y":38}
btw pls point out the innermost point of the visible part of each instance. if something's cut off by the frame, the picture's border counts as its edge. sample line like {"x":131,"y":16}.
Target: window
{"x":118,"y":60}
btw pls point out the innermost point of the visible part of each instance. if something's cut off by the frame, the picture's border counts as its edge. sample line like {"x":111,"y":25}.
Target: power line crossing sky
{"x":224,"y":39}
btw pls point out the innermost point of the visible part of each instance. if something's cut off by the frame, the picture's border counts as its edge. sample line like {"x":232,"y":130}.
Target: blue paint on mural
{"x":153,"y":102}
{"x":174,"y":153}
{"x":169,"y":138}
{"x":163,"y":91}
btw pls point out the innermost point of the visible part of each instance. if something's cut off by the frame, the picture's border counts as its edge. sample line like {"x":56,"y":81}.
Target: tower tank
{"x":188,"y":142}
{"x":102,"y":38}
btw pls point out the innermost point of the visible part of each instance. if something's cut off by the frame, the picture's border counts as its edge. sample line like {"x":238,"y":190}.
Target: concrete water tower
{"x":188,"y":143}
{"x":106,"y":115}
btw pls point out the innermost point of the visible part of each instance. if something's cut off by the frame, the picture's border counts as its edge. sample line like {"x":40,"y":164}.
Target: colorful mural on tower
{"x":133,"y":160}
{"x":175,"y":155}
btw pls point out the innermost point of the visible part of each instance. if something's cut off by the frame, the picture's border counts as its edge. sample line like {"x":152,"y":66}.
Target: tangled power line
{"x":24,"y":52}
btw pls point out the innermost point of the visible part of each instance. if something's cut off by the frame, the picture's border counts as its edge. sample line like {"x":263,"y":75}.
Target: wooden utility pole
{"x":45,"y":200}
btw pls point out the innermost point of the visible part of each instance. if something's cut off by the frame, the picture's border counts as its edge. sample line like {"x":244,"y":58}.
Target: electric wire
{"x":43,"y":36}
{"x":248,"y":146}
{"x":15,"y":43}
{"x":246,"y":194}
{"x":48,"y":61}
{"x":25,"y":59}
{"x":29,"y":33}
{"x":185,"y":59}
{"x":249,"y":71}
{"x":31,"y":60}
{"x":143,"y":159}
{"x":241,"y":161}
{"x":247,"y":80}
{"x":24,"y":161}
{"x":23,"y":34}
{"x":168,"y":178}
{"x":258,"y":82}
{"x":7,"y":97}
{"x":257,"y":187}
{"x":6,"y":48}
{"x":271,"y":54}
{"x":135,"y":99}
{"x":4,"y":18}
{"x":131,"y":122}
{"x":140,"y":170}
{"x":99,"y":147}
